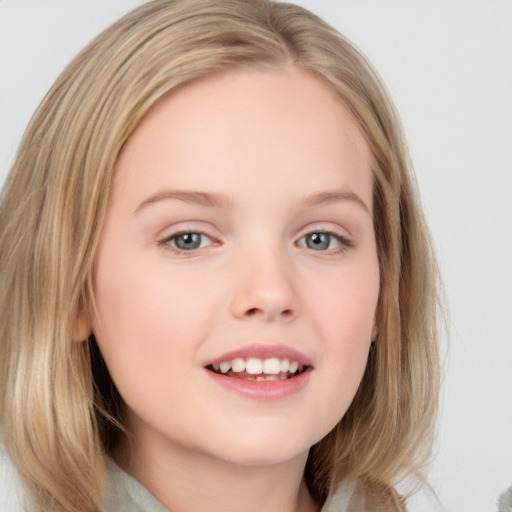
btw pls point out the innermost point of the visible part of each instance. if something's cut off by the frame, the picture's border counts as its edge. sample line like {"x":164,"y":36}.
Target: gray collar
{"x":127,"y":494}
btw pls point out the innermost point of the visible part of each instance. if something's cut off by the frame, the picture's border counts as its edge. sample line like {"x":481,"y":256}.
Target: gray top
{"x":127,"y":494}
{"x":505,"y":504}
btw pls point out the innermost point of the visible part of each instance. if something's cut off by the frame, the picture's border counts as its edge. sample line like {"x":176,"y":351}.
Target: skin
{"x":262,"y":143}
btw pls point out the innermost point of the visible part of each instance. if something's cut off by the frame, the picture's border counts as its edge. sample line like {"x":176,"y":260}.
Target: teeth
{"x":238,"y":365}
{"x":272,"y":368}
{"x":268,"y":377}
{"x":225,"y":366}
{"x":285,"y":365}
{"x":294,"y":366}
{"x":254,"y":366}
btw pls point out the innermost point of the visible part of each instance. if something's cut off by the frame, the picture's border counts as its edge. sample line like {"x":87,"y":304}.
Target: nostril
{"x":256,"y":311}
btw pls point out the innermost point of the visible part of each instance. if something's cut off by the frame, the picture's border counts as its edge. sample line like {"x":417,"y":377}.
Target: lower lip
{"x":264,"y":390}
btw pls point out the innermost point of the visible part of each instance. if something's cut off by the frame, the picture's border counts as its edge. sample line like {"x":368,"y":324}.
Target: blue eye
{"x":188,"y":241}
{"x":322,"y":241}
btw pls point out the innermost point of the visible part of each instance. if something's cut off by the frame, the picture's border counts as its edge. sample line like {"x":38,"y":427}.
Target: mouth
{"x":262,"y":372}
{"x":259,"y":369}
{"x":253,"y":368}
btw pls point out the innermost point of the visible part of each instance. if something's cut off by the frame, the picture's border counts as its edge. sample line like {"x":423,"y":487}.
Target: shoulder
{"x":11,"y":490}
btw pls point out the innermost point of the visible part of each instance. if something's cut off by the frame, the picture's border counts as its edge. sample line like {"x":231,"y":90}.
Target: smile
{"x":259,"y":369}
{"x":261,"y":372}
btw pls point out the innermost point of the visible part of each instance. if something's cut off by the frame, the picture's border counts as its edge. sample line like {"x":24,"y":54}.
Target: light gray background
{"x":448,"y":65}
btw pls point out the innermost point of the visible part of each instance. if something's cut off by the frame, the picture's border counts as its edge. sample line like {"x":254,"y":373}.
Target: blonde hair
{"x":60,"y":411}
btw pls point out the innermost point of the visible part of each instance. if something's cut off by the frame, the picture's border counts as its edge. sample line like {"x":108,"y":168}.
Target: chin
{"x":262,"y":450}
{"x":259,"y":458}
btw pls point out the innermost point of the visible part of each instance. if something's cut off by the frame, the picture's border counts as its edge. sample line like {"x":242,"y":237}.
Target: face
{"x":237,"y":275}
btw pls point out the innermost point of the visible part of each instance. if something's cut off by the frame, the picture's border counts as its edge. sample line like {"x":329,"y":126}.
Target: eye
{"x":324,"y":241}
{"x":188,"y":241}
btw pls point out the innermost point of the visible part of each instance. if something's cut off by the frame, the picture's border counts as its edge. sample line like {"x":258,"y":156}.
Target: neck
{"x":187,"y":481}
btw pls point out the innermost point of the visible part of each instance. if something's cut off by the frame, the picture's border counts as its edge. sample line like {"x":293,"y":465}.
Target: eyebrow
{"x":220,"y":201}
{"x":198,"y":198}
{"x":328,"y":198}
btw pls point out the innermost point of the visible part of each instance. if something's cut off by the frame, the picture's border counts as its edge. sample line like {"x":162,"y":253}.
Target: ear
{"x":81,"y":328}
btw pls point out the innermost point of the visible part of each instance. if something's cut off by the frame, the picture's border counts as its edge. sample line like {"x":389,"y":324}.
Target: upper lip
{"x":263,"y":351}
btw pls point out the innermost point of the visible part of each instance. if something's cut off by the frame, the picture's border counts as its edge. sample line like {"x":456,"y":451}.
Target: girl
{"x":218,"y":291}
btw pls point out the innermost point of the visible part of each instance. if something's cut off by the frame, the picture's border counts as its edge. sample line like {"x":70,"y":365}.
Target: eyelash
{"x":344,"y":242}
{"x":166,"y":242}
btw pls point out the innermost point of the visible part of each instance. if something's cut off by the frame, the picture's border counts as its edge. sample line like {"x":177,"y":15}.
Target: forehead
{"x":228,"y":129}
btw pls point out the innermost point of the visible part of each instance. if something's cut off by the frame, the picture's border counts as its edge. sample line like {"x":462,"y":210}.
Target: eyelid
{"x":344,"y":240}
{"x":177,"y":235}
{"x":164,"y":241}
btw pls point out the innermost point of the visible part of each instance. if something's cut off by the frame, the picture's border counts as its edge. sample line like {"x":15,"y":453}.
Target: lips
{"x":261,"y":363}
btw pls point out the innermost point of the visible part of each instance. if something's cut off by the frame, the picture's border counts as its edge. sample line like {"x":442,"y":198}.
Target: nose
{"x":265,"y":288}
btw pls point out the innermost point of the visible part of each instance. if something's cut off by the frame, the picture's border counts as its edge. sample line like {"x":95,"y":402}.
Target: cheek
{"x":144,"y":318}
{"x":145,"y":331}
{"x":345,"y":319}
{"x":137,"y":296}
{"x":346,"y":303}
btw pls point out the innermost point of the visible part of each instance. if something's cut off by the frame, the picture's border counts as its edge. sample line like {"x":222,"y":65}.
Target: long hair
{"x":60,"y":411}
